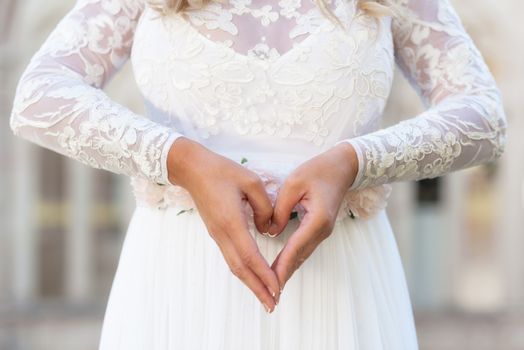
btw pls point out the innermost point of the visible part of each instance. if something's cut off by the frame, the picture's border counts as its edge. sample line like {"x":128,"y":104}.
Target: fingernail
{"x":272,"y":293}
{"x":273,"y":228}
{"x":267,"y":308}
{"x":267,"y":234}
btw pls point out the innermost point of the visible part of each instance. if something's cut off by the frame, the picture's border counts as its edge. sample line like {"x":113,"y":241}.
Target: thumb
{"x":262,"y":207}
{"x":285,"y":201}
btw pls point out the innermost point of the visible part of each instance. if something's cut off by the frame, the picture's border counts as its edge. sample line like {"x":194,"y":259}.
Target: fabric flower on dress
{"x":365,"y":203}
{"x":147,"y":193}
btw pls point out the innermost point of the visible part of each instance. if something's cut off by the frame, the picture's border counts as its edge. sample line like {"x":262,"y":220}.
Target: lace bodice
{"x":262,"y":77}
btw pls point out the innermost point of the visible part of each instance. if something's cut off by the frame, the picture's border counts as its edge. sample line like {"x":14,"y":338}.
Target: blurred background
{"x":62,"y":224}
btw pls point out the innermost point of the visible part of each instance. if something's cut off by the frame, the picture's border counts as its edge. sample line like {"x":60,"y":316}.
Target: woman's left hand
{"x":319,"y":185}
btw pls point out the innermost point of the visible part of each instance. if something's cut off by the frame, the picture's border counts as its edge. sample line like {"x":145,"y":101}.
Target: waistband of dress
{"x":265,"y":157}
{"x":362,"y":203}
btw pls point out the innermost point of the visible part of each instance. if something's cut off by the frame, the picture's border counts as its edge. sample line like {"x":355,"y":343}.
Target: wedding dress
{"x":268,"y":84}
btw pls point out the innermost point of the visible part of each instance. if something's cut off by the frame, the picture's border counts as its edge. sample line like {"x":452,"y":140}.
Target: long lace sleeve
{"x":59,"y":102}
{"x":464,"y":122}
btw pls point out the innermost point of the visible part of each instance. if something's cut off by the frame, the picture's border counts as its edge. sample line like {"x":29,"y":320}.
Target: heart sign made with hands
{"x":315,"y":192}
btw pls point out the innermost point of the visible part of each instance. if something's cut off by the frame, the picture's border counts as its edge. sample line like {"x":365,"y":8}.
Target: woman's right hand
{"x":219,"y":186}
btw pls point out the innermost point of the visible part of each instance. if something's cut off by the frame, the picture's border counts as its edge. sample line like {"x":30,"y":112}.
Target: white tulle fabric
{"x":275,"y":82}
{"x":173,"y":290}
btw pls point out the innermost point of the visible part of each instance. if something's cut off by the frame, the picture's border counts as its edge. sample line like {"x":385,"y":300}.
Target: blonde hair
{"x":375,"y":8}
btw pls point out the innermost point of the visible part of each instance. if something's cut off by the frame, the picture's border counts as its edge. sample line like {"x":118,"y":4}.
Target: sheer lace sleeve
{"x":464,"y":122}
{"x":59,"y":102}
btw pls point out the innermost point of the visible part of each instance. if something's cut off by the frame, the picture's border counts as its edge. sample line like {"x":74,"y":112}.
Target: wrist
{"x":181,"y":159}
{"x":349,"y":158}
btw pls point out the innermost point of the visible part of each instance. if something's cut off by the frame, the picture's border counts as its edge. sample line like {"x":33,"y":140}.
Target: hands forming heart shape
{"x":318,"y":185}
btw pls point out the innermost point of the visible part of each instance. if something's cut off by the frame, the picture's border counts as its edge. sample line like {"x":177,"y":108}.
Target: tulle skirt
{"x":174,"y":290}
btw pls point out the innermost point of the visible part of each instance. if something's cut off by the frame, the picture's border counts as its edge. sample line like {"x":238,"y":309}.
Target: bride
{"x":260,"y":174}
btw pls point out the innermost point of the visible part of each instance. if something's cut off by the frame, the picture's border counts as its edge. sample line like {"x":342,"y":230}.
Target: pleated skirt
{"x":174,"y":290}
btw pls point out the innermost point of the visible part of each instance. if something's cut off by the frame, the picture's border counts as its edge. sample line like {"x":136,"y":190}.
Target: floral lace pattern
{"x":303,"y":94}
{"x":277,"y":74}
{"x":59,"y":103}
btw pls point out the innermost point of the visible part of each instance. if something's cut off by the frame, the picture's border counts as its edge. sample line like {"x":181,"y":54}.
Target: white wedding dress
{"x":268,"y":84}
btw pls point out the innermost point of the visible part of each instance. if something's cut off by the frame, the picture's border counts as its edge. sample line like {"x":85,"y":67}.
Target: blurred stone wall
{"x":461,"y":254}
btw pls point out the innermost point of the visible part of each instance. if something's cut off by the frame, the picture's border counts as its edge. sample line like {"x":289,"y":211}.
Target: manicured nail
{"x":267,"y":234}
{"x":267,"y":308}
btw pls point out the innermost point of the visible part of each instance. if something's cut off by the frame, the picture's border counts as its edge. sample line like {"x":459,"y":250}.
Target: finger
{"x":285,"y":263}
{"x":250,"y":255}
{"x":261,"y":204}
{"x":287,"y":197}
{"x":301,"y":244}
{"x":245,"y":274}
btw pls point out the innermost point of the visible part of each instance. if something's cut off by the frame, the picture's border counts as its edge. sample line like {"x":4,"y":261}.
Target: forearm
{"x":450,"y":137}
{"x":82,"y":122}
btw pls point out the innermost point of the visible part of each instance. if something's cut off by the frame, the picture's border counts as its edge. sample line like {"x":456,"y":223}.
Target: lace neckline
{"x":258,"y":54}
{"x":264,"y":33}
